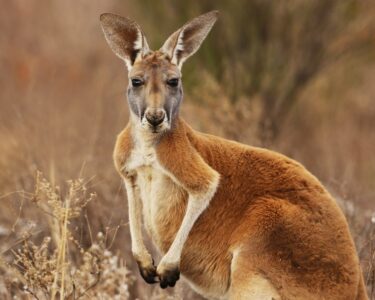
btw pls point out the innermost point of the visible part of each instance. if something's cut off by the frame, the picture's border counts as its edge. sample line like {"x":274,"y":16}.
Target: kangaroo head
{"x":155,"y":88}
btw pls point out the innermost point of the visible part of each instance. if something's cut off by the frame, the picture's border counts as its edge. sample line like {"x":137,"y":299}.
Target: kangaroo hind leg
{"x":247,"y":283}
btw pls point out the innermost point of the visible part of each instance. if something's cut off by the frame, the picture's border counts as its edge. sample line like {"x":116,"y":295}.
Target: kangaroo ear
{"x":125,"y":38}
{"x":186,"y":41}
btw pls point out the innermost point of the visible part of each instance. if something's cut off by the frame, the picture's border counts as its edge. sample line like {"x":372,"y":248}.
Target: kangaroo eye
{"x":172,"y":82}
{"x":137,"y":82}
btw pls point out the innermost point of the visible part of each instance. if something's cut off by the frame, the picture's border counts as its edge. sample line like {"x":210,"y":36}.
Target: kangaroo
{"x":238,"y":222}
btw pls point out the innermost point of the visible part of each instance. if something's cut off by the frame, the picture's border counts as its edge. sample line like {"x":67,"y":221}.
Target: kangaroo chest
{"x":163,"y":205}
{"x":163,"y":201}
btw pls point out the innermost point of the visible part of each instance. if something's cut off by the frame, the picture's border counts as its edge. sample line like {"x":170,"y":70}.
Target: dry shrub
{"x":58,"y":267}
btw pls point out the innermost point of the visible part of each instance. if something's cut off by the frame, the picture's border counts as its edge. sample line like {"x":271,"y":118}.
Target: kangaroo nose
{"x":155,"y":118}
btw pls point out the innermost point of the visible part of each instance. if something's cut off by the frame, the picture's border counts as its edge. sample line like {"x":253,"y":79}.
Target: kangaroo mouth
{"x":156,"y":129}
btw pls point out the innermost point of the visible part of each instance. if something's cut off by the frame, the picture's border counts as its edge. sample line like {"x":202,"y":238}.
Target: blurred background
{"x":295,"y":76}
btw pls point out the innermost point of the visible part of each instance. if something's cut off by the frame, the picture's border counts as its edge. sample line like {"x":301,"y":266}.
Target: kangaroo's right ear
{"x":125,"y":38}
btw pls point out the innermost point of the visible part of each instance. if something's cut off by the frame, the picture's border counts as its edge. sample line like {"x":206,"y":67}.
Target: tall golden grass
{"x":296,"y":76}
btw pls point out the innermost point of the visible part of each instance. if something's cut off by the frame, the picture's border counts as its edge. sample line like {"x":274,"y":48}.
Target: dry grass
{"x":62,"y":103}
{"x":58,"y":267}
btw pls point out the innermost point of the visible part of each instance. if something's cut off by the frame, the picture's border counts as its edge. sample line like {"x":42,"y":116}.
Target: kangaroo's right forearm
{"x":135,"y":222}
{"x":140,"y":253}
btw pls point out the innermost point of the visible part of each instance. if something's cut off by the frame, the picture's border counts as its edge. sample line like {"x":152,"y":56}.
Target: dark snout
{"x":155,"y":117}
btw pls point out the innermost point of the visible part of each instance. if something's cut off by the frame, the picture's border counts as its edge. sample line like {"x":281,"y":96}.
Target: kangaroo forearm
{"x":196,"y":205}
{"x":135,"y":219}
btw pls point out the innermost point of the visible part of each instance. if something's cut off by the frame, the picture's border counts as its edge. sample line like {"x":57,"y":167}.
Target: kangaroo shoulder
{"x":180,"y":158}
{"x":123,"y":147}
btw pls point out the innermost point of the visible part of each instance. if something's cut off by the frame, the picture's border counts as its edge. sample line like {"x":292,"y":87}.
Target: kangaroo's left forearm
{"x":195,"y":176}
{"x":197,"y":203}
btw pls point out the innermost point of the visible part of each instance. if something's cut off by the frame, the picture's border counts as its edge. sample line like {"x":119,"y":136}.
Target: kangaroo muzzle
{"x":155,"y":117}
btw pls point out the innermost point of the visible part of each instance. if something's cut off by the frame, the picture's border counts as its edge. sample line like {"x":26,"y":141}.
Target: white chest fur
{"x":158,"y":192}
{"x":146,"y":183}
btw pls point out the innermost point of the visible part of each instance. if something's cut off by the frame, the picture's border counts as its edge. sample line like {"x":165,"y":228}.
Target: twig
{"x":31,"y":293}
{"x":89,"y":227}
{"x":91,"y":286}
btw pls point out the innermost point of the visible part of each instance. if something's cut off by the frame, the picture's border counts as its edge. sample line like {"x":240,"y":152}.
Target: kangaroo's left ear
{"x":186,"y":41}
